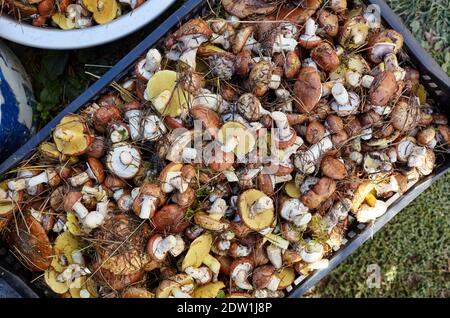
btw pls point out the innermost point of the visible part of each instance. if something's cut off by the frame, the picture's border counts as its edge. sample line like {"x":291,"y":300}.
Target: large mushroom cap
{"x":71,"y":137}
{"x":168,"y":217}
{"x":383,"y":88}
{"x":262,"y":276}
{"x":209,"y":119}
{"x":30,"y":243}
{"x":193,"y":27}
{"x":103,"y":11}
{"x":124,"y":160}
{"x":325,"y":56}
{"x":307,"y":89}
{"x":245,"y":8}
{"x":256,"y":221}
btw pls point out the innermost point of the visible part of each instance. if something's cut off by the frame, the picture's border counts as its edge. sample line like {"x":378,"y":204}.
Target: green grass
{"x":413,"y":249}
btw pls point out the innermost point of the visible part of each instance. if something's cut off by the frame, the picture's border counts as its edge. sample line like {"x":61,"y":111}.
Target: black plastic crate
{"x":436,"y":82}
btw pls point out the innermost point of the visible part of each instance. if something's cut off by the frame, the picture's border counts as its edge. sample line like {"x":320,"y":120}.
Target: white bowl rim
{"x":57,"y":39}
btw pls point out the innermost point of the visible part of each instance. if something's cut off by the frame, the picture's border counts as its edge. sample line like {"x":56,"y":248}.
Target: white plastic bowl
{"x":52,"y":38}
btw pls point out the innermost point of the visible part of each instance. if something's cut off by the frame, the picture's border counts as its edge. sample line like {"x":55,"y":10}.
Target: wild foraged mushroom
{"x":123,"y":160}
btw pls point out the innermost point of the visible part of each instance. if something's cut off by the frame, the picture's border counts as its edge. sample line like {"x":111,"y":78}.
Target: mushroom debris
{"x":234,"y":157}
{"x":68,"y":14}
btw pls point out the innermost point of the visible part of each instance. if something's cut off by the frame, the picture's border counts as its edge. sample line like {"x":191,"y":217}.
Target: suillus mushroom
{"x":71,"y":136}
{"x":256,"y":209}
{"x":309,"y":39}
{"x":240,"y":270}
{"x":123,"y":160}
{"x":103,"y":11}
{"x":307,"y":89}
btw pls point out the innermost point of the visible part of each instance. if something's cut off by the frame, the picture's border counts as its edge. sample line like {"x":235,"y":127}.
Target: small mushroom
{"x":329,"y":22}
{"x":148,"y":200}
{"x":333,"y":168}
{"x":383,"y":43}
{"x":103,"y":11}
{"x":312,"y":252}
{"x":256,"y":209}
{"x":319,"y":193}
{"x":158,"y":247}
{"x":293,"y":210}
{"x":284,"y":136}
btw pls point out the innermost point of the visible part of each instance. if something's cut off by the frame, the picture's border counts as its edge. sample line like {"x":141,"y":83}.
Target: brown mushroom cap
{"x":262,"y":276}
{"x":239,"y":261}
{"x":329,"y":22}
{"x":106,"y":115}
{"x":216,"y":159}
{"x":319,"y":193}
{"x":185,"y":199}
{"x":97,"y":169}
{"x":325,"y":56}
{"x":385,"y":36}
{"x":193,"y":27}
{"x":405,"y":116}
{"x":307,"y":89}
{"x":297,"y":15}
{"x":370,"y":118}
{"x":97,"y":148}
{"x":383,"y":88}
{"x":315,"y":131}
{"x":333,"y":168}
{"x":150,"y":248}
{"x":149,"y":189}
{"x":292,"y":65}
{"x":209,"y":118}
{"x":137,"y":292}
{"x":112,"y":182}
{"x":353,"y":126}
{"x":70,"y":199}
{"x":31,"y":244}
{"x":334,"y":124}
{"x":245,"y":8}
{"x":168,"y":217}
{"x":265,"y":184}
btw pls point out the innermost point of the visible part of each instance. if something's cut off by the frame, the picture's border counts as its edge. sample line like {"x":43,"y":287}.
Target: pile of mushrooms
{"x":232,"y":160}
{"x":69,"y":14}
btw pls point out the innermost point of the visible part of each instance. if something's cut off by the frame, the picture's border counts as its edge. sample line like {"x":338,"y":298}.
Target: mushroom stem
{"x":134,"y":122}
{"x":367,"y":81}
{"x":80,"y":179}
{"x":165,"y":245}
{"x":340,"y":94}
{"x":262,"y":204}
{"x":148,"y":206}
{"x":218,"y":208}
{"x":230,"y":144}
{"x":39,"y":179}
{"x":80,"y":210}
{"x":310,"y":27}
{"x":274,"y":255}
{"x":126,"y":158}
{"x":213,"y":264}
{"x":284,"y":130}
{"x":240,"y":278}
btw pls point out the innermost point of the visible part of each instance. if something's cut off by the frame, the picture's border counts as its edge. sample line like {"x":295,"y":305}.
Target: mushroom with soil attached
{"x":103,"y":11}
{"x":306,"y":161}
{"x":240,"y":271}
{"x":262,"y":78}
{"x":94,"y":171}
{"x":158,"y":246}
{"x":250,"y":107}
{"x":329,"y":22}
{"x":71,"y":136}
{"x":123,"y":160}
{"x":188,"y":39}
{"x":245,"y":8}
{"x":307,"y":89}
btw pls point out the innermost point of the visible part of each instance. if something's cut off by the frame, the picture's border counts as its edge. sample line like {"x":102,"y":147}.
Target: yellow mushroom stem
{"x":371,"y":200}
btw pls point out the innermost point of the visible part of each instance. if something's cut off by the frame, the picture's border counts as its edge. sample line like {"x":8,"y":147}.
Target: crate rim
{"x":420,"y":58}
